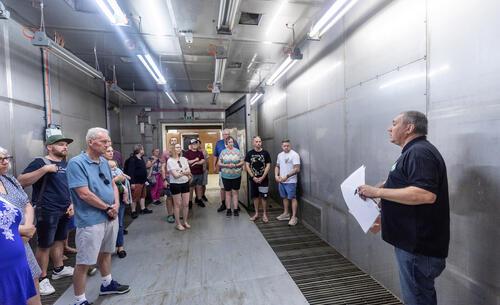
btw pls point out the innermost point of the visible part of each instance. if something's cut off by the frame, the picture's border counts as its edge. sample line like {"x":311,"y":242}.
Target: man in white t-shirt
{"x":285,"y":173}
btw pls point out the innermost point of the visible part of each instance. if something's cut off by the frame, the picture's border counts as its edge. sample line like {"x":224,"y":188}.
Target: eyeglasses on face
{"x":6,"y":158}
{"x":103,"y":178}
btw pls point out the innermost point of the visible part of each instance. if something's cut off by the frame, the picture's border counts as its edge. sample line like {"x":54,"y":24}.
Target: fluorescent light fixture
{"x":41,"y":40}
{"x":220,"y":66}
{"x":255,"y":98}
{"x":258,"y":94}
{"x":4,"y":14}
{"x":334,"y":13}
{"x":152,"y":68}
{"x":170,"y":96}
{"x":270,"y":27}
{"x":283,"y":68}
{"x":227,"y":16}
{"x":119,"y":91}
{"x":112,"y":10}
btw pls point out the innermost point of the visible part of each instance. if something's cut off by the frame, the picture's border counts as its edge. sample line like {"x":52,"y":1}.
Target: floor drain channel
{"x":323,"y":275}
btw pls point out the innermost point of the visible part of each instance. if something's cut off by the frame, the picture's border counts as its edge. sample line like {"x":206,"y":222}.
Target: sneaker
{"x":170,"y":219}
{"x":222,"y":207}
{"x":283,"y":217}
{"x":146,"y":211}
{"x":204,"y":198}
{"x":67,"y":271}
{"x":157,"y":202}
{"x":228,"y":213}
{"x":134,"y":215}
{"x":125,"y":231}
{"x":121,"y":253}
{"x":85,"y":303}
{"x":236,"y":213}
{"x":293,"y":221}
{"x":114,"y":288}
{"x":46,"y":288}
{"x":92,"y":270}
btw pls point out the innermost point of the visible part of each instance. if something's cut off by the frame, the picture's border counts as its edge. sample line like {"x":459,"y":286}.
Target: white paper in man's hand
{"x":365,"y":212}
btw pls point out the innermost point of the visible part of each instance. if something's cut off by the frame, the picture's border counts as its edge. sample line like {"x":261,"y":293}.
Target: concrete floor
{"x":219,"y":261}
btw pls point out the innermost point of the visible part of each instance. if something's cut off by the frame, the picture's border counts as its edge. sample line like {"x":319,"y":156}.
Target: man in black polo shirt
{"x":415,"y":209}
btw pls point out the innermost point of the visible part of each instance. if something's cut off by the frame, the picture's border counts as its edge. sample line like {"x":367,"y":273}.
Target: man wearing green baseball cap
{"x":53,"y":207}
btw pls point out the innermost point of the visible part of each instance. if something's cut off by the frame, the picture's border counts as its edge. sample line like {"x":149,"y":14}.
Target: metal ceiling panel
{"x":199,"y":16}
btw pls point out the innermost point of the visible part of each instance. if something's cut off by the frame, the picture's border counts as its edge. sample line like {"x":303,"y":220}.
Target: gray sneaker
{"x":283,"y":217}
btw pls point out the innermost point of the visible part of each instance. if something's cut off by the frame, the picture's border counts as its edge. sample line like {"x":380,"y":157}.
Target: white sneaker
{"x":46,"y":288}
{"x":67,"y":271}
{"x":293,"y":221}
{"x":283,"y":217}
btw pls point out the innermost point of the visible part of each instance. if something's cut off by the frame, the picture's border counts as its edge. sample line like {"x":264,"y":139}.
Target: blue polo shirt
{"x":83,"y":171}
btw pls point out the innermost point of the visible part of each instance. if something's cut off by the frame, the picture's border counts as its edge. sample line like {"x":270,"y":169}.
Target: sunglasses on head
{"x":103,"y":178}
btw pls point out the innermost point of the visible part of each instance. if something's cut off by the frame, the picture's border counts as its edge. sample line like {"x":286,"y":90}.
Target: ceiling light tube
{"x":41,"y":40}
{"x":256,"y":97}
{"x":283,"y":68}
{"x":172,"y":99}
{"x":119,"y":91}
{"x":220,"y":65}
{"x":112,"y":10}
{"x":334,"y":14}
{"x":152,"y":68}
{"x":227,"y":16}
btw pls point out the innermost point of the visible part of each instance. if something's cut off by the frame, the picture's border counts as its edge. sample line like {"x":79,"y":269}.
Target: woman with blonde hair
{"x":178,"y":168}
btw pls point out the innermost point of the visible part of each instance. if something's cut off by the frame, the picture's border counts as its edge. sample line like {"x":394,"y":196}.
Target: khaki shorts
{"x":90,"y":241}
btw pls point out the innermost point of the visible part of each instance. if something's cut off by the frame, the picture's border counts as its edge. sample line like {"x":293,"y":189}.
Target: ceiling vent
{"x":234,"y":65}
{"x":250,"y":18}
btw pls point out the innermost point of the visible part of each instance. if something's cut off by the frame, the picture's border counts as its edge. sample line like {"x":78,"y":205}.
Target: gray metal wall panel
{"x":464,"y":114}
{"x":392,"y":37}
{"x":297,"y":100}
{"x":26,"y":67}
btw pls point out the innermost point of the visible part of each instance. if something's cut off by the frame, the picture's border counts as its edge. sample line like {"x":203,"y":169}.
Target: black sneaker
{"x":204,"y":198}
{"x":157,"y":202}
{"x":125,"y":231}
{"x":200,"y":203}
{"x":228,"y":213}
{"x":222,"y":207}
{"x":236,"y":213}
{"x":134,"y":215}
{"x":114,"y":288}
{"x":146,"y":211}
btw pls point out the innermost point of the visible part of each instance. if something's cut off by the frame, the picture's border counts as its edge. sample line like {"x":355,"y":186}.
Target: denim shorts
{"x":50,"y":226}
{"x":288,"y":190}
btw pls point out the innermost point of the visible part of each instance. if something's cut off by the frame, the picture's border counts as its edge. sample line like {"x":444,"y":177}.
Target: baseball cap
{"x":193,"y":141}
{"x":57,"y":138}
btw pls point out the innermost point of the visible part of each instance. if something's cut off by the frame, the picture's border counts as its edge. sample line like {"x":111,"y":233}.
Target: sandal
{"x":187,"y":225}
{"x":265,"y":219}
{"x":70,"y":250}
{"x":254,"y":217}
{"x":180,"y":227}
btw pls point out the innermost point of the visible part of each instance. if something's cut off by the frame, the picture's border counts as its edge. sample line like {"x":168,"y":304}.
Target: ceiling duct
{"x":249,"y":18}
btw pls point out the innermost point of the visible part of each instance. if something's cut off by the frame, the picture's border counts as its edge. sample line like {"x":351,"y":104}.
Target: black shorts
{"x":231,"y":184}
{"x":179,"y":188}
{"x":258,"y":190}
{"x":50,"y":227}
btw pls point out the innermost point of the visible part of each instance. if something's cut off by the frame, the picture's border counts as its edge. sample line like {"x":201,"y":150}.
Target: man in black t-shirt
{"x":53,"y":208}
{"x":415,"y":209}
{"x":258,"y":164}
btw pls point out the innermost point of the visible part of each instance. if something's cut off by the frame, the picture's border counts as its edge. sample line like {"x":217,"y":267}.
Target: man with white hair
{"x":219,"y":147}
{"x":96,"y":201}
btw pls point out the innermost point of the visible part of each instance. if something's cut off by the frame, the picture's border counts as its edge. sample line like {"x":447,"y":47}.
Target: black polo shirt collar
{"x":412,"y":142}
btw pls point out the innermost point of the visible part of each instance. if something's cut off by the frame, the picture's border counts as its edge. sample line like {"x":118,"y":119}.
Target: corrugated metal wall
{"x":77,"y":101}
{"x":440,"y":57}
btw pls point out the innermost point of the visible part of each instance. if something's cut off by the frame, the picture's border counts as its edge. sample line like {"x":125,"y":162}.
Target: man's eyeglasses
{"x":7,"y":158}
{"x":104,"y":179}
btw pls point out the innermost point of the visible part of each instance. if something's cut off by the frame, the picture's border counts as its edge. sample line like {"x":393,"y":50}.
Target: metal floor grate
{"x":322,"y":274}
